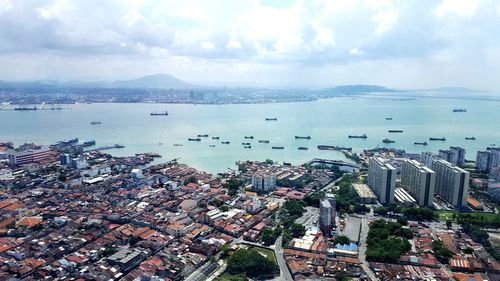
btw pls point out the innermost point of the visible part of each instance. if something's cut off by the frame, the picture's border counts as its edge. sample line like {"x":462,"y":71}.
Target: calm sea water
{"x":326,"y":121}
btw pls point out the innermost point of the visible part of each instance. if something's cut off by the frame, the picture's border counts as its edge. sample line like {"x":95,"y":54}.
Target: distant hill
{"x":159,"y":81}
{"x":356,"y":89}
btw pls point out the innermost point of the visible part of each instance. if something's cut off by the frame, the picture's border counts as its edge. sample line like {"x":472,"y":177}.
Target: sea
{"x":326,"y":121}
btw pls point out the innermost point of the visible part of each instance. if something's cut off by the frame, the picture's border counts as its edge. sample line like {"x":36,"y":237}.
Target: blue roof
{"x":347,"y":247}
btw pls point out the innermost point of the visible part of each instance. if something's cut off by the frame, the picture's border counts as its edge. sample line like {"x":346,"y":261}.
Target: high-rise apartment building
{"x":381,"y":179}
{"x":419,"y":181}
{"x":452,"y":182}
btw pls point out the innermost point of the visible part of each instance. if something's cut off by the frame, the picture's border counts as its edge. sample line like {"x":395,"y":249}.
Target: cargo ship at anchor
{"x":194,"y":139}
{"x":303,"y":148}
{"x":263,"y":141}
{"x":363,"y":136}
{"x":333,"y":147}
{"x":470,"y":138}
{"x":272,"y":119}
{"x":278,"y":147}
{"x":395,"y":131}
{"x":303,"y":137}
{"x":159,"y":113}
{"x":438,"y":139}
{"x":420,"y":143}
{"x":388,"y":141}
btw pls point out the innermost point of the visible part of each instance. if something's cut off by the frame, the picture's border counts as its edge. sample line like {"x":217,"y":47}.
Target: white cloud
{"x":5,"y":6}
{"x":233,"y":44}
{"x":207,"y":45}
{"x":355,"y":52}
{"x":456,"y":8}
{"x":385,"y":21}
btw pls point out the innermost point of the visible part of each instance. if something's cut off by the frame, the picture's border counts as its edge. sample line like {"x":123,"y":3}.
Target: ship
{"x":278,"y":147}
{"x":438,"y":139}
{"x":215,"y":138}
{"x":263,"y":141}
{"x":303,"y":138}
{"x":249,"y":137}
{"x":95,"y":123}
{"x":247,"y":146}
{"x":272,"y":119}
{"x":420,"y":143}
{"x":303,"y":148}
{"x":388,"y":141}
{"x":203,"y":136}
{"x":395,"y":131}
{"x":89,"y":143}
{"x":470,"y":138}
{"x":363,"y":136}
{"x":333,"y":147}
{"x":25,"y":108}
{"x":388,"y":118}
{"x":459,"y":110}
{"x":159,"y":113}
{"x":224,"y":142}
{"x":178,"y":144}
{"x":245,"y":143}
{"x":194,"y":139}
{"x":212,"y":145}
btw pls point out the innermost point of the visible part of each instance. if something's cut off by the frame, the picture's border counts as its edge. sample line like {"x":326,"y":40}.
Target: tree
{"x":269,"y":161}
{"x":403,"y":220}
{"x":191,"y":179}
{"x":440,"y":251}
{"x":268,"y":236}
{"x":342,"y":240}
{"x":250,"y":262}
{"x":297,"y":230}
{"x":62,"y":177}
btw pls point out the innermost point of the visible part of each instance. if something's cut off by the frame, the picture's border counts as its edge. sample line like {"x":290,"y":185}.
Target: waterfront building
{"x":381,"y":179}
{"x":495,"y":157}
{"x":137,"y":173}
{"x":494,"y":183}
{"x":445,"y":154}
{"x":483,"y":160}
{"x":263,"y":181}
{"x":452,"y":182}
{"x":28,"y":153}
{"x":457,"y":155}
{"x":325,"y":216}
{"x":419,"y":181}
{"x":79,"y":163}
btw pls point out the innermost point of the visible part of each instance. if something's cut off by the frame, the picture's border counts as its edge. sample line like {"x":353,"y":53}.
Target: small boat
{"x":194,"y":139}
{"x":395,"y":131}
{"x":203,"y":136}
{"x":247,"y":146}
{"x":263,"y":141}
{"x":303,"y":138}
{"x":363,"y":136}
{"x":178,"y":144}
{"x":215,"y":138}
{"x":272,"y":119}
{"x":278,"y":147}
{"x":388,"y":141}
{"x":95,"y":123}
{"x":224,"y":142}
{"x":470,"y":138}
{"x":420,"y":143}
{"x":388,"y":118}
{"x":160,"y":143}
{"x":459,"y":110}
{"x":212,"y":145}
{"x":245,"y":143}
{"x":249,"y":137}
{"x":303,"y":148}
{"x":161,"y":113}
{"x":438,"y":139}
{"x":89,"y":143}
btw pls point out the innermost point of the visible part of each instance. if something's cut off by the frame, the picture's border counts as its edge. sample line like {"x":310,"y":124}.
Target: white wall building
{"x":452,"y":182}
{"x":381,"y":179}
{"x":419,"y":181}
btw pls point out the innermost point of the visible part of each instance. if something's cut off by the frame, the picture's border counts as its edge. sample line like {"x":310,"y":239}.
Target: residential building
{"x":263,"y":181}
{"x":64,"y":159}
{"x":325,"y":216}
{"x":445,"y":154}
{"x":452,"y":182}
{"x":381,"y":179}
{"x":333,"y":202}
{"x":483,"y":160}
{"x":427,"y":157}
{"x":419,"y":181}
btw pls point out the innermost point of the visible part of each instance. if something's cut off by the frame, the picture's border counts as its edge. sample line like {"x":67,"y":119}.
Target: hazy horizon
{"x":285,"y":44}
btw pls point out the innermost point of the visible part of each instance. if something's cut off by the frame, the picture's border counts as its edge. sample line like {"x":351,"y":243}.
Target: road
{"x":202,"y":273}
{"x":278,"y":251}
{"x":365,"y":221}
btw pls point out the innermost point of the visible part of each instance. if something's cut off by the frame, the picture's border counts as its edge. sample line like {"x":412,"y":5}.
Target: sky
{"x":275,"y":43}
